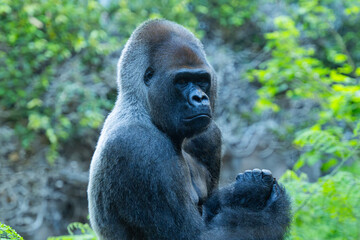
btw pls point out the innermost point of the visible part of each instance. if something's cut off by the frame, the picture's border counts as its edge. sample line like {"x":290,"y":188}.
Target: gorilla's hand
{"x":255,"y":203}
{"x":252,"y":190}
{"x":255,"y":189}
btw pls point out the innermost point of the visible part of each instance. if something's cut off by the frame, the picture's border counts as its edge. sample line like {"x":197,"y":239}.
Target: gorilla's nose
{"x":198,"y":98}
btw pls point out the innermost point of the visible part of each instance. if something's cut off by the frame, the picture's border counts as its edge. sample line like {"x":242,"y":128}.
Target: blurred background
{"x":289,"y":101}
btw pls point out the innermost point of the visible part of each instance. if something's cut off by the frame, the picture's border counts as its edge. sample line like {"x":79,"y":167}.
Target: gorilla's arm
{"x":254,"y":207}
{"x":145,"y":193}
{"x":206,"y":148}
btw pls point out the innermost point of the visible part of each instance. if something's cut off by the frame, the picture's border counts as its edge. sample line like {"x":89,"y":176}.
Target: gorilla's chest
{"x":198,"y":186}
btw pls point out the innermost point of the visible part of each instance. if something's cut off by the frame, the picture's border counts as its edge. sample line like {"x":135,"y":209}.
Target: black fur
{"x":154,"y":174}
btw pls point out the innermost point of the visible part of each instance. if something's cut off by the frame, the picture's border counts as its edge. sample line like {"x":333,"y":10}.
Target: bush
{"x":36,"y":37}
{"x":310,"y":60}
{"x":295,"y":73}
{"x":326,"y":209}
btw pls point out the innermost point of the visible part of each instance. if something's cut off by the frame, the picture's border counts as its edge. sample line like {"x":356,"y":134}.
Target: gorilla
{"x":155,"y":170}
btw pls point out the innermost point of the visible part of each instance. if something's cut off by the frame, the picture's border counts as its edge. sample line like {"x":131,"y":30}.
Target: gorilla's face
{"x":179,"y":93}
{"x":192,"y":90}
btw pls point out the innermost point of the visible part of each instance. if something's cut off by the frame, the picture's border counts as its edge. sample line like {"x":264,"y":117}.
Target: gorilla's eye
{"x":182,"y":82}
{"x":204,"y":84}
{"x":149,"y":73}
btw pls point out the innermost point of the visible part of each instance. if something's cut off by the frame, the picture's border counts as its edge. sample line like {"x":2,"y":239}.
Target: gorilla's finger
{"x":267,"y":176}
{"x":248,"y":175}
{"x":240,"y":177}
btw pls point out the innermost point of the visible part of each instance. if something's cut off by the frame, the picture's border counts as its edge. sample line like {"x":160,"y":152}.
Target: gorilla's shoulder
{"x":127,"y":139}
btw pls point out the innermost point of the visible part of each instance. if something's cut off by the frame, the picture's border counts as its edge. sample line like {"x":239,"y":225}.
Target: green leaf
{"x":357,"y":129}
{"x":7,"y":232}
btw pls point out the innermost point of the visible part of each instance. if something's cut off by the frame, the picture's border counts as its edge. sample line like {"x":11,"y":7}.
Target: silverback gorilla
{"x":154,"y":174}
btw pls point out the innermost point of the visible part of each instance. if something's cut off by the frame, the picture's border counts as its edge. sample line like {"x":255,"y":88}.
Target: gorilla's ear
{"x":149,"y":73}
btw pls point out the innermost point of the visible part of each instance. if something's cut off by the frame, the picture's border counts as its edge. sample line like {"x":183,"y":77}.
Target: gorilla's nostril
{"x":196,"y":98}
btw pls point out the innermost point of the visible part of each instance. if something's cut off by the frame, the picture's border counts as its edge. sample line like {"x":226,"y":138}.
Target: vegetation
{"x":328,"y":74}
{"x":7,"y":232}
{"x":84,"y":233}
{"x":326,"y":209}
{"x":37,"y":37}
{"x":313,"y":50}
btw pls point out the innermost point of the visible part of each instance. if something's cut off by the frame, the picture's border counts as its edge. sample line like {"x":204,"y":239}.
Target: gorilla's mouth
{"x":196,"y":117}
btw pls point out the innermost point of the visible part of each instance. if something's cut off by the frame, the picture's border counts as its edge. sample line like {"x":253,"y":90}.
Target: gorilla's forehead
{"x":174,"y":54}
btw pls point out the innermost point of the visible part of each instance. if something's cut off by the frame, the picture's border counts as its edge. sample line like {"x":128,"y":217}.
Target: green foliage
{"x":312,"y":60}
{"x":323,"y":144}
{"x":127,"y":15}
{"x":333,"y":25}
{"x":326,"y":209}
{"x":291,"y":71}
{"x":7,"y":232}
{"x":85,"y":233}
{"x":295,"y":73}
{"x":36,"y":37}
{"x":227,"y":13}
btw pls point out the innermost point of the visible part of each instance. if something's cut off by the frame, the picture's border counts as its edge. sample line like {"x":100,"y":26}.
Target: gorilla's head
{"x":170,"y":78}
